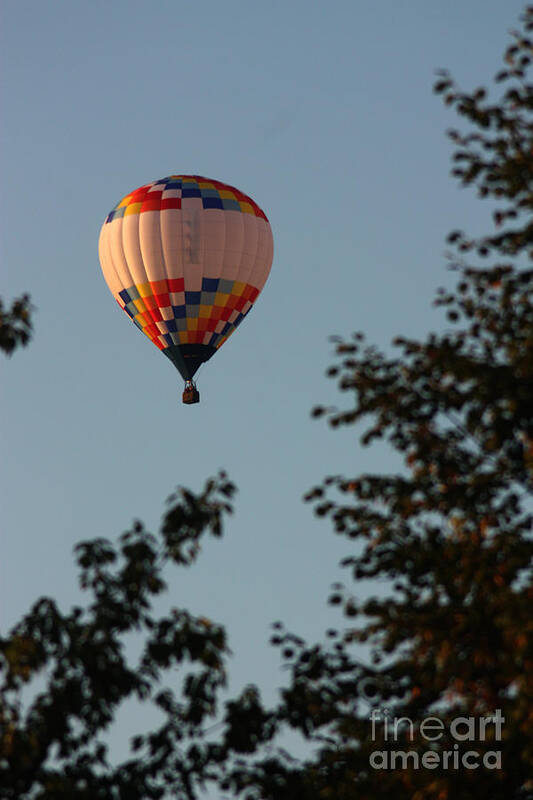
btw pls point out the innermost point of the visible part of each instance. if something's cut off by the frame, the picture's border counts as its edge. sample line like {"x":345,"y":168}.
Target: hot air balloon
{"x":186,"y":258}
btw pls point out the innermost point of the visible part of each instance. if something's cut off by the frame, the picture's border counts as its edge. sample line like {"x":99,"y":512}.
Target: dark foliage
{"x":449,"y":538}
{"x":15,"y":324}
{"x":54,"y":745}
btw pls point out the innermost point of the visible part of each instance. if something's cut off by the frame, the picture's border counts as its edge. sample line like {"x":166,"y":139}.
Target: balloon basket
{"x":190,"y":394}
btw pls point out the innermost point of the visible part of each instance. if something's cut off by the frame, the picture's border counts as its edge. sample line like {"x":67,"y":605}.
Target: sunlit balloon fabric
{"x":186,"y":258}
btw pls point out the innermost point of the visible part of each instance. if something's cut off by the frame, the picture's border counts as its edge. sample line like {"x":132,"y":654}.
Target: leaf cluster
{"x":447,"y":539}
{"x":15,"y":324}
{"x":54,"y":745}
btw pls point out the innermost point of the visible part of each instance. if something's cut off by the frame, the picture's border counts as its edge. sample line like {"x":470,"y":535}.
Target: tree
{"x":15,"y":324}
{"x":450,"y":536}
{"x":54,"y":746}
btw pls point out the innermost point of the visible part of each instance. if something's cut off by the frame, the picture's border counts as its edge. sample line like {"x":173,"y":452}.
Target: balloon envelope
{"x":186,"y":257}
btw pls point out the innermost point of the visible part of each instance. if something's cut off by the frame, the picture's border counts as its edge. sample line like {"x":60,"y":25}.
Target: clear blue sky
{"x":324,"y":114}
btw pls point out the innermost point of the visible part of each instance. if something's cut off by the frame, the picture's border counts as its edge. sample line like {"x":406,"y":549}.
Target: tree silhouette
{"x":450,"y":536}
{"x":15,"y":324}
{"x":54,"y":745}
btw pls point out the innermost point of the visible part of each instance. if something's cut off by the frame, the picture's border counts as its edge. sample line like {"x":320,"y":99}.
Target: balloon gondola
{"x":190,"y":394}
{"x":186,"y":258}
